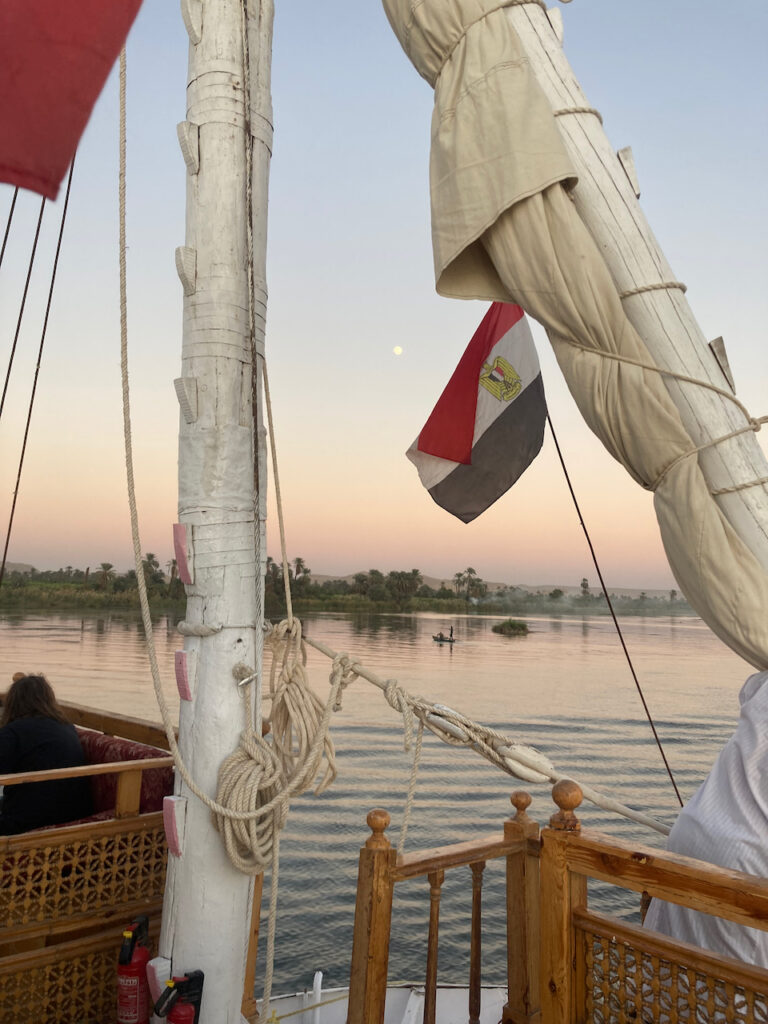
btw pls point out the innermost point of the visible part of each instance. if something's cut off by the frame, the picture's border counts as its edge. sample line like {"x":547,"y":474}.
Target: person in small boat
{"x":441,"y":635}
{"x":36,"y":735}
{"x":726,"y":823}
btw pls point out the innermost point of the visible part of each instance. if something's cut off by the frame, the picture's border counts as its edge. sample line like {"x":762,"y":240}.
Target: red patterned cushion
{"x":100,"y":748}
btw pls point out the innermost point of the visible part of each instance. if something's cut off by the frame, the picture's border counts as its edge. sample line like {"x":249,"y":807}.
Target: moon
{"x":398,"y":350}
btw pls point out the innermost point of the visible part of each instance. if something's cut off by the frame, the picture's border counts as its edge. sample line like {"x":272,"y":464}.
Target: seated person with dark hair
{"x":35,"y":735}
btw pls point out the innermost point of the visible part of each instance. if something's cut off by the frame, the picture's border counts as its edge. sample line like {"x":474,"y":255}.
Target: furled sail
{"x":521,"y":214}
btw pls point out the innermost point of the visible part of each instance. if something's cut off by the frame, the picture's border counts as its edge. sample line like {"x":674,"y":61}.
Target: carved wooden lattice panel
{"x":81,"y":989}
{"x":69,"y":983}
{"x":625,"y":984}
{"x":81,"y":875}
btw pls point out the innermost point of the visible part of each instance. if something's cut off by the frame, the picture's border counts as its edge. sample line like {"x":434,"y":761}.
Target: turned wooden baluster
{"x":562,"y":983}
{"x":373,"y":917}
{"x":249,"y":1008}
{"x":475,"y":947}
{"x":523,"y":915}
{"x":430,"y":985}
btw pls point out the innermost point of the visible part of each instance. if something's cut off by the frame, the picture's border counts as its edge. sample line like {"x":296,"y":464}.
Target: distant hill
{"x":18,"y":567}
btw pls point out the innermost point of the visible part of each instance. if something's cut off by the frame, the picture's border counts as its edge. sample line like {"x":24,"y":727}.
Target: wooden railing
{"x":140,"y":730}
{"x":45,"y":895}
{"x":566,"y":963}
{"x":596,"y":967}
{"x":379,"y":871}
{"x":128,"y":773}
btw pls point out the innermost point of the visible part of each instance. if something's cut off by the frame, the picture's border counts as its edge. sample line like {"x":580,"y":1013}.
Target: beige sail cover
{"x":494,"y":140}
{"x":497,"y":236}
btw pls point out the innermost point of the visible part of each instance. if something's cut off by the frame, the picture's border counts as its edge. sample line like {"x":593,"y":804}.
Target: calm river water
{"x":565,"y":689}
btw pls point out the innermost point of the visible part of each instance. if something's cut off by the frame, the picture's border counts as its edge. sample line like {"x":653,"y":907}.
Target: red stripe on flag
{"x":55,"y":56}
{"x":450,"y":429}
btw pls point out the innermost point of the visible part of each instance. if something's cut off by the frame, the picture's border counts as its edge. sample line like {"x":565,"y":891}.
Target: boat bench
{"x":67,"y":892}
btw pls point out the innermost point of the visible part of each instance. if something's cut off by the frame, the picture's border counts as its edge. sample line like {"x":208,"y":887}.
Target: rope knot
{"x":404,"y":704}
{"x":344,"y":672}
{"x":395,"y":695}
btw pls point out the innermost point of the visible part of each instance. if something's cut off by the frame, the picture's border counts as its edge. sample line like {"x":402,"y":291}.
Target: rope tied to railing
{"x":456,"y":729}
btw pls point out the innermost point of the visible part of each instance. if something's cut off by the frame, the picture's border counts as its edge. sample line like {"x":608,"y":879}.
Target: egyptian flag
{"x":55,"y":56}
{"x":488,"y":424}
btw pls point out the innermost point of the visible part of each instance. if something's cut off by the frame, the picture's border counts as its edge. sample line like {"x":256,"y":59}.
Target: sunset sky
{"x":350,"y":279}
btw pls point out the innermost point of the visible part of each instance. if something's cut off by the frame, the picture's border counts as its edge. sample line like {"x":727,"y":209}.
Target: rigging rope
{"x":8,"y":224}
{"x":23,"y":304}
{"x":452,"y":727}
{"x":753,"y":424}
{"x":38,"y":363}
{"x":613,"y":613}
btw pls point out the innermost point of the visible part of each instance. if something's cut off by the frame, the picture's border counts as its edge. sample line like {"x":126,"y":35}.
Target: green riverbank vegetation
{"x":466,"y":592}
{"x":395,"y":591}
{"x":101,"y":587}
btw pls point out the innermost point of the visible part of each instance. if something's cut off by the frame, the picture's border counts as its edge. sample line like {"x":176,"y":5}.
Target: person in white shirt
{"x":726,"y":823}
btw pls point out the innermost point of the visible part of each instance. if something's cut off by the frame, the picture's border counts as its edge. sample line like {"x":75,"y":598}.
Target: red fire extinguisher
{"x":180,"y":1002}
{"x":132,"y":985}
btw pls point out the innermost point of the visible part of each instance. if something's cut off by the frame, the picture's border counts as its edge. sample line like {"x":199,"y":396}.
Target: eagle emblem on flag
{"x":501,"y":379}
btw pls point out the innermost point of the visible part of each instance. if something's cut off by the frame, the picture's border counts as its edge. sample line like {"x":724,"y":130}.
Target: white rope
{"x":578,"y":110}
{"x":658,"y":286}
{"x":753,"y":423}
{"x":516,"y":759}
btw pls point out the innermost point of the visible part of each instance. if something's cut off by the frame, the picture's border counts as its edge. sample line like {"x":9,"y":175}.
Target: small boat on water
{"x":441,"y":638}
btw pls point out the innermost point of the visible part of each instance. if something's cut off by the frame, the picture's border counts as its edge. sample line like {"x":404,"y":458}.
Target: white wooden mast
{"x":206,"y":912}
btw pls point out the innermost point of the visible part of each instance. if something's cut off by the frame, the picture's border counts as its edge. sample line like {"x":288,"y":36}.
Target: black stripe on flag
{"x":499,"y":457}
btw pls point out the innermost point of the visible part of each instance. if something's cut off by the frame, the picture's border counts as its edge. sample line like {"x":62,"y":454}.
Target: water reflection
{"x":564,"y":688}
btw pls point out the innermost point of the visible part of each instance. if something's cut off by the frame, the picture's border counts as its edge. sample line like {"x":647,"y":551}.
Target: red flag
{"x":488,"y":424}
{"x":55,"y":56}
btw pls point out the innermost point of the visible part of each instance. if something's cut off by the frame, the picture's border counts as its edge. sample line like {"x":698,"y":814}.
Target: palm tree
{"x":106,"y":575}
{"x":300,"y":568}
{"x":273,"y":575}
{"x":150,"y":565}
{"x":301,"y":575}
